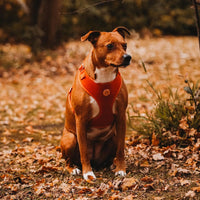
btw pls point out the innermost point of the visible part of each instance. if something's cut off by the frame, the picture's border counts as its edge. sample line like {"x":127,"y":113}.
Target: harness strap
{"x":104,"y":94}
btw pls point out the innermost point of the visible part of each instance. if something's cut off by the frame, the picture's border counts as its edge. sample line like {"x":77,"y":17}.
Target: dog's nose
{"x":127,"y":58}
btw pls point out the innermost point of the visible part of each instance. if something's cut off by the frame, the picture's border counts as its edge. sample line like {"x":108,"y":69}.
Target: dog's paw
{"x":75,"y":171}
{"x":89,"y":176}
{"x":120,"y":173}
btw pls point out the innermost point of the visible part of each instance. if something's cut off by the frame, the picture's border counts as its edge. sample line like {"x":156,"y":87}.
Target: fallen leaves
{"x":38,"y":169}
{"x":169,"y":163}
{"x":32,"y":104}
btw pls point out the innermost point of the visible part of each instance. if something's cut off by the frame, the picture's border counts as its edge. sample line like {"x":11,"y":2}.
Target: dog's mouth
{"x":121,"y":65}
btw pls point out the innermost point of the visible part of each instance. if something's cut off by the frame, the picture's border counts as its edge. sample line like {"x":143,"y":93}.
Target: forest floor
{"x":32,"y":108}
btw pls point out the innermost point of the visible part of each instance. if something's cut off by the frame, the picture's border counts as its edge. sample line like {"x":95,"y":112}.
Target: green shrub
{"x":174,"y":120}
{"x":194,"y":92}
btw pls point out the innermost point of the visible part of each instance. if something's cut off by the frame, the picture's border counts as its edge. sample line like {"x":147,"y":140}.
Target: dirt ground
{"x":32,"y":106}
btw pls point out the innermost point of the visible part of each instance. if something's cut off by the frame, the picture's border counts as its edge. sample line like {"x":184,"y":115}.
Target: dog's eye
{"x":110,"y":46}
{"x":124,"y":46}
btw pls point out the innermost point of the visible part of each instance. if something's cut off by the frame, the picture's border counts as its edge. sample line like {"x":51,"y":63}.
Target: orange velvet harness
{"x":104,"y":94}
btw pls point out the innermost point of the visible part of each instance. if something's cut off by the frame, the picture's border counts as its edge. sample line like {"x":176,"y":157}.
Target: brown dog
{"x":95,"y":122}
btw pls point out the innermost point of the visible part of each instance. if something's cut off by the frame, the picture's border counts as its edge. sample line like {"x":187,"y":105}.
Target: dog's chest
{"x":103,"y":75}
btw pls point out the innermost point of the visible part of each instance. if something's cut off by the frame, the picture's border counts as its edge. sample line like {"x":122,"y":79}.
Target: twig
{"x":81,"y":10}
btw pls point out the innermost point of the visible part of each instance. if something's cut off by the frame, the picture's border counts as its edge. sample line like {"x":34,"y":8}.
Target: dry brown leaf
{"x":197,"y":145}
{"x":166,"y":187}
{"x":65,"y":187}
{"x":5,"y":140}
{"x":129,"y":197}
{"x":129,"y":183}
{"x":158,"y":156}
{"x":155,"y":141}
{"x":160,"y":165}
{"x":28,"y":139}
{"x":190,"y":108}
{"x":102,"y":189}
{"x":184,"y":182}
{"x":183,"y":171}
{"x":115,"y":197}
{"x":183,"y":124}
{"x":158,"y":198}
{"x":168,"y":153}
{"x":29,"y":129}
{"x":196,"y":189}
{"x":190,"y":193}
{"x":47,"y":168}
{"x":6,"y":132}
{"x":90,"y":180}
{"x":144,"y":163}
{"x":149,"y":186}
{"x":48,"y":194}
{"x":192,"y":132}
{"x":40,"y":189}
{"x":147,"y":179}
{"x":173,"y":171}
{"x":84,"y":191}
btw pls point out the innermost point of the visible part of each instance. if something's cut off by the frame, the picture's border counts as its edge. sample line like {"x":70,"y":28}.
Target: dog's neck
{"x":100,"y":74}
{"x":104,"y":75}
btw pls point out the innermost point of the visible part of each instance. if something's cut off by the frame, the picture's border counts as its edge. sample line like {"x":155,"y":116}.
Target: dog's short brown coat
{"x":78,"y":148}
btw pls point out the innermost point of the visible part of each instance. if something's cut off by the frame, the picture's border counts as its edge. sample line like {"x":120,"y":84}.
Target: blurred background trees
{"x":45,"y":14}
{"x":47,"y":22}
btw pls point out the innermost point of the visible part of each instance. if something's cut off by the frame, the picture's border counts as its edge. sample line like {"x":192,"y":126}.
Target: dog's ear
{"x":91,"y":36}
{"x":122,"y":31}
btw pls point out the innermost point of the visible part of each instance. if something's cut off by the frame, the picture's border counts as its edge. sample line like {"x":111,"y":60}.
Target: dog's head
{"x":109,"y":47}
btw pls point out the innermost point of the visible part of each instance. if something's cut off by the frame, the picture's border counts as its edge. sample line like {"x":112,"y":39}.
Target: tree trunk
{"x":49,"y":20}
{"x":46,"y":14}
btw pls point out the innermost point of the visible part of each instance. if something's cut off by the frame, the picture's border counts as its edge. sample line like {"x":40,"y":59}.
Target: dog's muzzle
{"x":125,"y":61}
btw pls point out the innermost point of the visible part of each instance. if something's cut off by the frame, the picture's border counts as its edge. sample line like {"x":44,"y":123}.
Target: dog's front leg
{"x":82,"y":142}
{"x":120,"y":139}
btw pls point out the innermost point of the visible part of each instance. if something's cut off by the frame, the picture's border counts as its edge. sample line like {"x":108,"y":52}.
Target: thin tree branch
{"x":82,"y":10}
{"x":197,"y":19}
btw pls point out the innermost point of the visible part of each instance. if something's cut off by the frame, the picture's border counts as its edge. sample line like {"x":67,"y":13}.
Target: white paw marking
{"x":120,"y":173}
{"x":89,"y":175}
{"x":76,"y":171}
